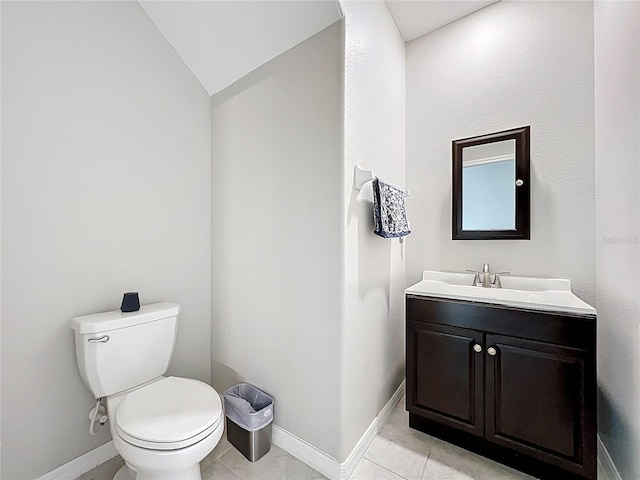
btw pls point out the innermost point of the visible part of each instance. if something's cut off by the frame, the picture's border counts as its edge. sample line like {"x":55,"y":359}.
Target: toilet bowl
{"x":165,"y":428}
{"x":161,"y":426}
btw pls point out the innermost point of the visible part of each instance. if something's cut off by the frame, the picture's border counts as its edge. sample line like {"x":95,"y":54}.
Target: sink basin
{"x":545,"y":294}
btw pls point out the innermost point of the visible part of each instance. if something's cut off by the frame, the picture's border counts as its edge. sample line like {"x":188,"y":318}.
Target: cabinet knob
{"x":477,"y":348}
{"x":491,"y":351}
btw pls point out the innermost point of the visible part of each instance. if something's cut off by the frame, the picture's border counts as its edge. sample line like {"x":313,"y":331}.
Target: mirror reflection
{"x":488,"y":186}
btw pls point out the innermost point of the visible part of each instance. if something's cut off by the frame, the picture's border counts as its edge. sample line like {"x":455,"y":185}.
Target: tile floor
{"x":401,"y":453}
{"x":227,"y":463}
{"x":397,"y":453}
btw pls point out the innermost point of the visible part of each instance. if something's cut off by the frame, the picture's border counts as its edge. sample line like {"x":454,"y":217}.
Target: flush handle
{"x":102,"y":339}
{"x":491,"y":351}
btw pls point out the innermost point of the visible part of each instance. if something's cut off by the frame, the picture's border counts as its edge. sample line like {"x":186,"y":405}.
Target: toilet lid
{"x":169,"y":411}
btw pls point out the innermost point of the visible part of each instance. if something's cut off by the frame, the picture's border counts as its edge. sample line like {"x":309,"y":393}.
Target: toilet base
{"x":149,"y":464}
{"x":180,"y":464}
{"x":125,"y":473}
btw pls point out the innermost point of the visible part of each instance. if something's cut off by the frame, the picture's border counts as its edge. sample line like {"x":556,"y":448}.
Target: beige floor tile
{"x":222,"y":448}
{"x":367,"y":470}
{"x":316,"y":476}
{"x":396,"y":429}
{"x":398,"y":458}
{"x":445,"y":465}
{"x":397,"y":453}
{"x":449,"y":462}
{"x":105,"y":471}
{"x":275,"y":465}
{"x":602,"y":475}
{"x":218,"y":471}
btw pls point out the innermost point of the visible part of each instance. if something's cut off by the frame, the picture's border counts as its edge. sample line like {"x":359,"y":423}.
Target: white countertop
{"x":544,"y":294}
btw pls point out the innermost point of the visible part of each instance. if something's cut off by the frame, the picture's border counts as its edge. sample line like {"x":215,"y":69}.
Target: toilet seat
{"x":169,"y":414}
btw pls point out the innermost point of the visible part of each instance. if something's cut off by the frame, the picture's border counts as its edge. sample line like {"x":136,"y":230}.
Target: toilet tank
{"x":117,"y":351}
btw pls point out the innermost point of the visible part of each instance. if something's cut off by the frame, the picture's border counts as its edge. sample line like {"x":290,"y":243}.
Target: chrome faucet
{"x":486,"y":277}
{"x":476,"y":277}
{"x":496,"y":279}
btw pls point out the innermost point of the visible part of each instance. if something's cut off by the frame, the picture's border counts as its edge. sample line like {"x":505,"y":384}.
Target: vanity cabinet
{"x":515,"y":385}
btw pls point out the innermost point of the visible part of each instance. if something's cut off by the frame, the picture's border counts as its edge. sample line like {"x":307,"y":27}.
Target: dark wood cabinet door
{"x":535,"y":401}
{"x":445,"y":375}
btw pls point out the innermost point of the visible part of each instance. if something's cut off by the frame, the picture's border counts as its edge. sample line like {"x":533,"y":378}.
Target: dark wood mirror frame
{"x":521,"y":232}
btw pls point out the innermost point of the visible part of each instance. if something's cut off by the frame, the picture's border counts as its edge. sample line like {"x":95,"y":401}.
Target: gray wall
{"x":304,"y":306}
{"x":105,"y":189}
{"x":617,"y":94}
{"x":508,"y":65}
{"x":0,"y":244}
{"x":276,"y":243}
{"x":372,"y":330}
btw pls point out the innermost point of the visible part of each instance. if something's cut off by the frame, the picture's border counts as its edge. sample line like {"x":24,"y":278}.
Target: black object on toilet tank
{"x":130,"y":302}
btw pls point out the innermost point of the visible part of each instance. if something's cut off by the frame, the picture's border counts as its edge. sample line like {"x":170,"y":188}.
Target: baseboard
{"x":83,"y":464}
{"x":303,"y":451}
{"x":606,"y":462}
{"x":325,"y":464}
{"x":349,"y":465}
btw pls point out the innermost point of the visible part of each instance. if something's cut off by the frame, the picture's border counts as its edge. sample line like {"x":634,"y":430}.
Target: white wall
{"x":617,"y":120}
{"x":372,"y":333}
{"x":508,"y":65}
{"x":276,"y":243}
{"x":105,"y":189}
{"x":0,"y":244}
{"x":316,"y":342}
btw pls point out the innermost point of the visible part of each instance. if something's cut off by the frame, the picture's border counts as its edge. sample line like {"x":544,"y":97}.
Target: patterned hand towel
{"x":389,"y":214}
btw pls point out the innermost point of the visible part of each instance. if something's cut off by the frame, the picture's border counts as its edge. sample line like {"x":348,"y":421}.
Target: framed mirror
{"x":491,"y":186}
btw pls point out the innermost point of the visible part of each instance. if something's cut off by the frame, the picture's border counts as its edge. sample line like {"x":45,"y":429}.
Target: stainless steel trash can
{"x":252,"y":444}
{"x":249,"y":413}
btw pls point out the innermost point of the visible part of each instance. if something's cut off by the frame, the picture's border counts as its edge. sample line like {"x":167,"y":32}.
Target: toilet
{"x":161,"y":426}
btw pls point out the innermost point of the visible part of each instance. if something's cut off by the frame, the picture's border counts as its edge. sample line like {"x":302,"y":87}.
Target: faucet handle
{"x":476,"y":279}
{"x":496,"y":278}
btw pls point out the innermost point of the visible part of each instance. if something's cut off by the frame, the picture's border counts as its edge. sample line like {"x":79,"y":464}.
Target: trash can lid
{"x":170,"y":410}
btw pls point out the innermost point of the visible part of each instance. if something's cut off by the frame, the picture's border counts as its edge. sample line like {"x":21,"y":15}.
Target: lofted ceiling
{"x":222,"y":41}
{"x":415,"y":18}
